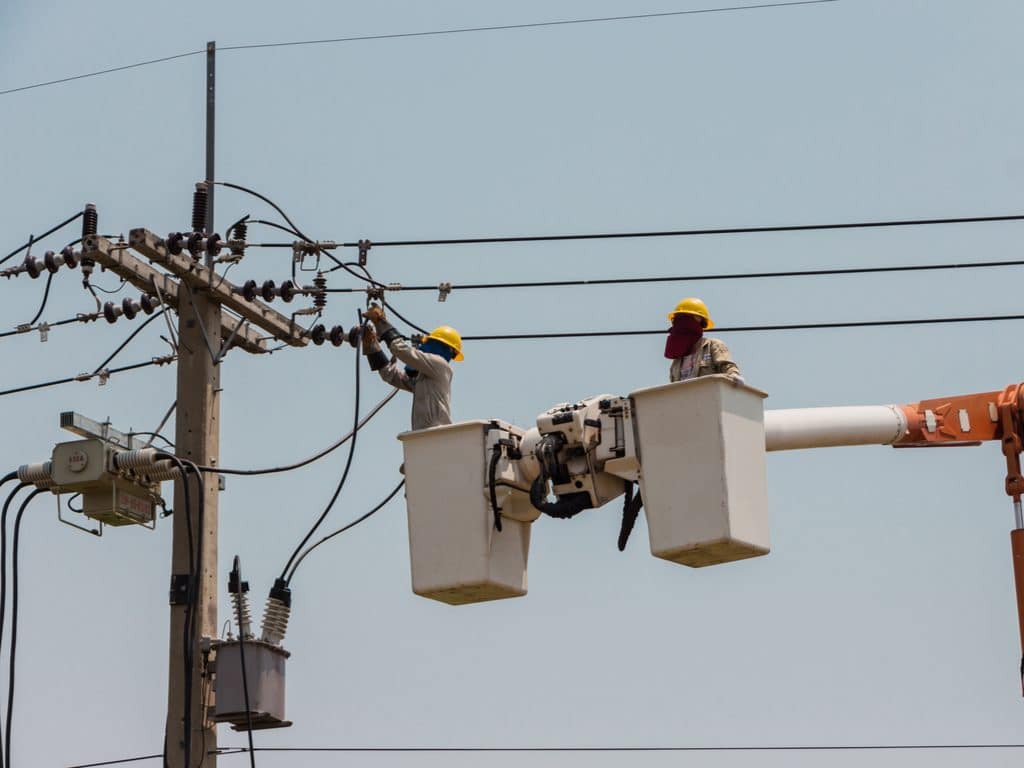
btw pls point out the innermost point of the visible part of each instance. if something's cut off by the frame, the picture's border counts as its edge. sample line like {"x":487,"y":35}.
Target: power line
{"x":118,"y":762}
{"x":750,"y":328}
{"x":34,"y":239}
{"x":697,"y":277}
{"x":429,"y":33}
{"x":86,"y":376}
{"x":793,"y":748}
{"x":674,"y":232}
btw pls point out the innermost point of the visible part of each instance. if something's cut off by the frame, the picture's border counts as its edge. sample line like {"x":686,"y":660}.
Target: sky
{"x":885,"y":612}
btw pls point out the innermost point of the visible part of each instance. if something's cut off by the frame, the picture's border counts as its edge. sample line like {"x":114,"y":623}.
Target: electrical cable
{"x":13,"y":649}
{"x":76,"y":319}
{"x":87,"y":376}
{"x":47,"y":233}
{"x":304,"y":462}
{"x":46,"y":297}
{"x":750,"y":328}
{"x":241,"y":654}
{"x":111,"y":291}
{"x":3,"y":569}
{"x":699,"y":277}
{"x":127,"y":341}
{"x":679,"y":232}
{"x":344,"y":528}
{"x":344,"y":474}
{"x":430,"y":33}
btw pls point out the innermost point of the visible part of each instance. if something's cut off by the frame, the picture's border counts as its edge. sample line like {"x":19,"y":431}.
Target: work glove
{"x":370,"y":344}
{"x":375,"y":314}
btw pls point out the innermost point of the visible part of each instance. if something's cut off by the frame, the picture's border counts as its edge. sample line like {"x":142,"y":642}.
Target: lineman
{"x":692,"y":354}
{"x":426,"y":371}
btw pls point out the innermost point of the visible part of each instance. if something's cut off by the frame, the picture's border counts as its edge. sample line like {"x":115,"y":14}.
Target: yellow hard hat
{"x":692,"y":306}
{"x":448,"y":335}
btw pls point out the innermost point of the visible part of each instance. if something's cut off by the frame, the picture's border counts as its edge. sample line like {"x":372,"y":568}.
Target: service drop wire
{"x":35,"y":239}
{"x":344,"y":528}
{"x":341,"y":483}
{"x":237,"y":568}
{"x":14,"y":620}
{"x":46,"y":297}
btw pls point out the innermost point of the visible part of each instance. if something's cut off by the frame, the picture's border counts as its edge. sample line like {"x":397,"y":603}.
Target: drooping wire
{"x":344,"y":528}
{"x":316,"y":456}
{"x":13,"y":645}
{"x":47,"y":233}
{"x":344,"y":474}
{"x":46,"y":297}
{"x":127,"y":341}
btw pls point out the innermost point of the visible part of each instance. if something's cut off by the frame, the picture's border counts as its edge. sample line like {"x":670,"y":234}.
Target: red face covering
{"x":686,"y":331}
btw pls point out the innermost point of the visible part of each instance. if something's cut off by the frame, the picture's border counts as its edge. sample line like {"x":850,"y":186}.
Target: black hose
{"x":568,"y":505}
{"x":492,"y":470}
{"x":237,"y":577}
{"x":630,"y":511}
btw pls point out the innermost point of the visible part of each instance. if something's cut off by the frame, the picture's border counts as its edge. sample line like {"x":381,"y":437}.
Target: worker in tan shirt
{"x":425,"y":371}
{"x":692,"y":353}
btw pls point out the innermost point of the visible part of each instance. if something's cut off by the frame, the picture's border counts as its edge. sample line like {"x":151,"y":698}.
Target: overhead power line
{"x":695,"y":278}
{"x":749,"y":328}
{"x":87,"y":376}
{"x":428,"y":33}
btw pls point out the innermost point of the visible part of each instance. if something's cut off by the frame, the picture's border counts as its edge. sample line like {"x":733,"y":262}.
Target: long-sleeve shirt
{"x":710,"y":356}
{"x":432,"y":386}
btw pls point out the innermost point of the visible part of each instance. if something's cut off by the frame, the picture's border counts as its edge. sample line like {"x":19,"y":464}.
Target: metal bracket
{"x":179,"y":589}
{"x":443,"y":290}
{"x":364,"y":250}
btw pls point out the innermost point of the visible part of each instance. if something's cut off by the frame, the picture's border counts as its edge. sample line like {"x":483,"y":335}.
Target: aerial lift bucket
{"x":702,"y":452}
{"x":456,"y":553}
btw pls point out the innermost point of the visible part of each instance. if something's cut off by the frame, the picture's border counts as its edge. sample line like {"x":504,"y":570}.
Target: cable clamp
{"x":179,"y":593}
{"x":375,"y":292}
{"x":443,"y":290}
{"x":44,"y":331}
{"x":104,"y":376}
{"x":164,"y":360}
{"x":364,"y":250}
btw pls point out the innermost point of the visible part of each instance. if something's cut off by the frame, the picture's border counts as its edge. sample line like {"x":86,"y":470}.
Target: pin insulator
{"x":200,"y":199}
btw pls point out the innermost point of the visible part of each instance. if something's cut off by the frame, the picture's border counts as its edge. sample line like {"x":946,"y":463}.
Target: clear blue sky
{"x":885,"y":612}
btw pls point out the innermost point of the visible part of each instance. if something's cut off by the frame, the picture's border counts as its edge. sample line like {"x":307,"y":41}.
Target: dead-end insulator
{"x":32,"y":266}
{"x":200,"y":201}
{"x":130,"y":308}
{"x":248,"y":290}
{"x":51,"y":262}
{"x":111,"y":312}
{"x":69,"y":256}
{"x":318,"y":334}
{"x":287,"y":291}
{"x":320,"y":291}
{"x":268,"y":290}
{"x":149,"y":303}
{"x":214,"y":244}
{"x":195,"y":243}
{"x":175,"y":243}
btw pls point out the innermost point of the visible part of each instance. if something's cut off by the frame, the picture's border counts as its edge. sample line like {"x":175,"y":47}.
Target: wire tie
{"x":23,"y":328}
{"x":44,"y":331}
{"x":104,"y":376}
{"x":443,"y":290}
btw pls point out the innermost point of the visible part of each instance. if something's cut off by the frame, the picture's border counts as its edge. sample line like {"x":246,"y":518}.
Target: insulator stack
{"x":90,"y":221}
{"x":32,"y":267}
{"x":238,"y":234}
{"x":40,"y":475}
{"x":138,"y":459}
{"x":320,"y":291}
{"x":276,"y":613}
{"x":242,"y":614}
{"x":200,"y":200}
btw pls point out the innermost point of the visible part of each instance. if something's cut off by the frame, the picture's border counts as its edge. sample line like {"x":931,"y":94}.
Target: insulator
{"x":214,"y":244}
{"x":337,"y":336}
{"x":200,"y":199}
{"x":268,"y":290}
{"x":138,"y":459}
{"x":355,"y":335}
{"x":194,"y":244}
{"x":130,"y":308}
{"x":149,"y":303}
{"x":249,"y":289}
{"x":162,"y":470}
{"x":69,"y":256}
{"x":275,"y":620}
{"x":41,"y":474}
{"x":111,"y":312}
{"x":175,"y":243}
{"x":90,"y":221}
{"x":239,"y":233}
{"x":286,"y":291}
{"x":242,"y":614}
{"x":51,"y":262}
{"x":319,"y":295}
{"x":318,"y":334}
{"x":33,"y":267}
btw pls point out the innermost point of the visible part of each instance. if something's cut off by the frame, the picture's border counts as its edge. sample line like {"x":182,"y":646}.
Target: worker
{"x":692,"y":353}
{"x":425,"y":371}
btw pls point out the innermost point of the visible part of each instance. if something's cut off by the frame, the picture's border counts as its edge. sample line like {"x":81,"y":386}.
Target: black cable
{"x":111,"y":291}
{"x":46,"y":297}
{"x":393,"y":36}
{"x":128,"y":340}
{"x":304,"y":462}
{"x":751,"y":328}
{"x":344,"y":528}
{"x":3,"y":568}
{"x":13,"y":650}
{"x":781,"y":748}
{"x":699,"y":277}
{"x":684,"y":232}
{"x":122,"y":761}
{"x":76,"y":319}
{"x":86,"y":376}
{"x":341,"y":483}
{"x":241,"y":654}
{"x":405,"y":320}
{"x":47,"y":233}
